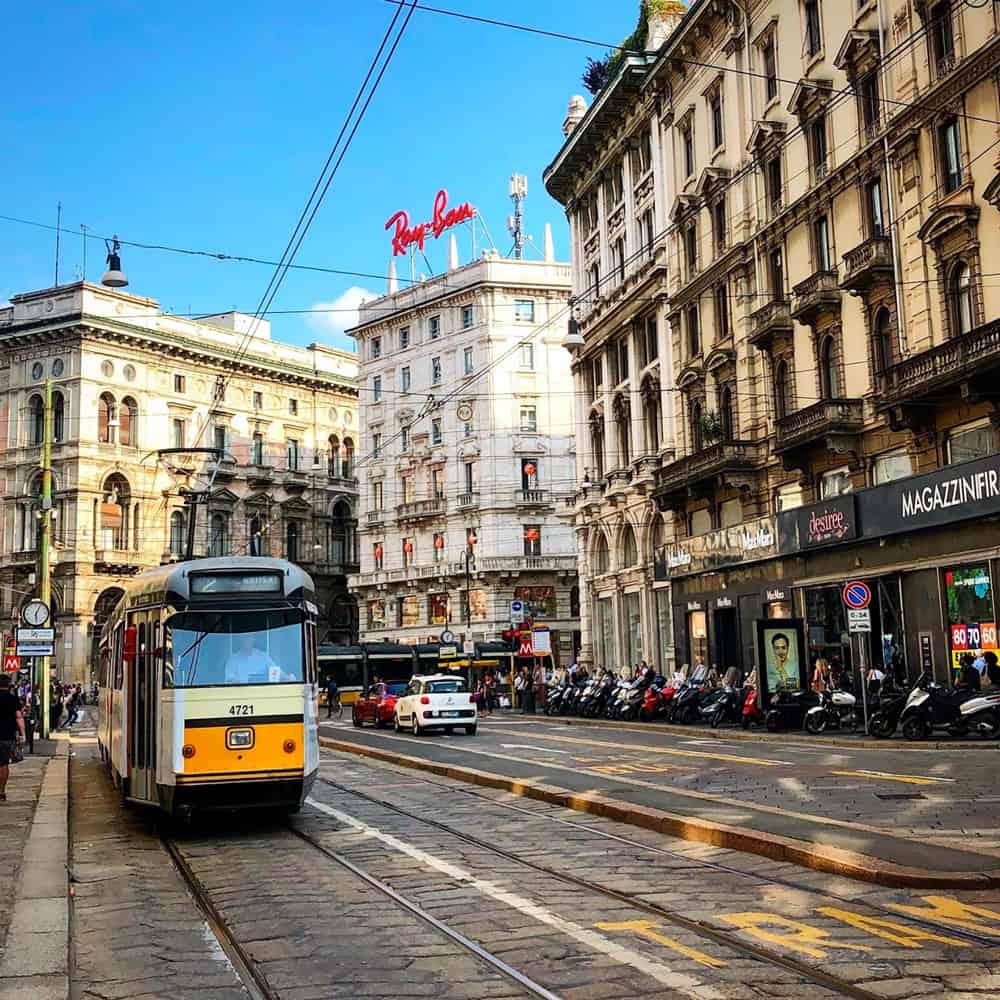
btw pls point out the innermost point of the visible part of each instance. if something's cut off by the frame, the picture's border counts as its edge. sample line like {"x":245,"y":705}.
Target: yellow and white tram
{"x":207,"y":675}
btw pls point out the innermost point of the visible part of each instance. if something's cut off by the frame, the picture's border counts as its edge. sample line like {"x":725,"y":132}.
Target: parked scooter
{"x":931,"y":706}
{"x":631,"y":700}
{"x":885,"y":714}
{"x":685,"y":706}
{"x":837,"y":709}
{"x":788,"y":709}
{"x":727,"y":707}
{"x":751,"y":714}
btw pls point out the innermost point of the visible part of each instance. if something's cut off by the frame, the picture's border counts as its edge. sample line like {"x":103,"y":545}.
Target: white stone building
{"x":467,"y":419}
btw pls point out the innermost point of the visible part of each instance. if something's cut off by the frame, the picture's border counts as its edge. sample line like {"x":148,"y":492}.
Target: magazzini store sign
{"x":724,"y":547}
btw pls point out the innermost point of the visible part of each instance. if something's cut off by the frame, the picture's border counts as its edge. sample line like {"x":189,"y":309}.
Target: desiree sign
{"x":443,"y":218}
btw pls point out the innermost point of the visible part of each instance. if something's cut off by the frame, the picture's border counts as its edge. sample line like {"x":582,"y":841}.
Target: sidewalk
{"x":34,"y":845}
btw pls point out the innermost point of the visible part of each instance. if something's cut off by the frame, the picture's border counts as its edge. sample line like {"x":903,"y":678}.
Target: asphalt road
{"x":896,"y":803}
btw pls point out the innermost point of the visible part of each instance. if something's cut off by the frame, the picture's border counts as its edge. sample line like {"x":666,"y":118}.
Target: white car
{"x":438,"y":701}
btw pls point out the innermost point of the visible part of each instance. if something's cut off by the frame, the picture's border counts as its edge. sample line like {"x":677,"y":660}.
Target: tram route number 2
{"x":241,"y":709}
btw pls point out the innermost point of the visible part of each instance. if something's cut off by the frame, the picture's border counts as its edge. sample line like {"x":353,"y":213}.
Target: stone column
{"x":586,"y":658}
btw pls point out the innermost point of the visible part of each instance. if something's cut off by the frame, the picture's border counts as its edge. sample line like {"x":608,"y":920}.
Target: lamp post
{"x":470,"y":550}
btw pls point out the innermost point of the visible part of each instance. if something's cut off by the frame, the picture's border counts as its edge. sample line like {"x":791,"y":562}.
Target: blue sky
{"x":205,"y":126}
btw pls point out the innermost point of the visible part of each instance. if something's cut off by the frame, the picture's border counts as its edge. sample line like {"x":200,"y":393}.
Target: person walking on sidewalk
{"x":11,"y":730}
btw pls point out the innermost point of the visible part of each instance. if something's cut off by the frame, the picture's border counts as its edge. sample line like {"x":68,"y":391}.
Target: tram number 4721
{"x":241,"y":709}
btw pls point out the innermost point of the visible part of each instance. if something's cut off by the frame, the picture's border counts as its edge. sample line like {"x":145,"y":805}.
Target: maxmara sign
{"x":740,"y":543}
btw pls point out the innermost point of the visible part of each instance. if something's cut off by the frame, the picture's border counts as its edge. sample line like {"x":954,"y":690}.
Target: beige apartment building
{"x":829,"y":180}
{"x":128,"y":379}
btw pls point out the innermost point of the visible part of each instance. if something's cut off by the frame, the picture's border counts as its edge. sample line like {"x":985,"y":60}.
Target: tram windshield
{"x":208,"y":649}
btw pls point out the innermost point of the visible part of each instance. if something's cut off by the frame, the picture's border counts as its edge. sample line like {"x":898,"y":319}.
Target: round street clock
{"x":447,"y":636}
{"x":35,"y":613}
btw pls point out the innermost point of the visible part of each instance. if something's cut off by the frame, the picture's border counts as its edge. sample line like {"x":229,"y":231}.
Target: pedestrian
{"x":72,"y":708}
{"x":820,"y":677}
{"x":992,"y":667}
{"x":519,"y":689}
{"x":980,"y":664}
{"x":538,"y":692}
{"x":969,"y":678}
{"x":55,"y":706}
{"x":11,"y":730}
{"x":332,"y":696}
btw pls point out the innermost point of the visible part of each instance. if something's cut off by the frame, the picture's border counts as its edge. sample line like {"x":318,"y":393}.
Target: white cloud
{"x":330,"y":319}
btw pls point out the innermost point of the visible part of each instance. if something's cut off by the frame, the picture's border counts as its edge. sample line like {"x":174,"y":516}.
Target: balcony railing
{"x":873,"y":129}
{"x":687,"y":473}
{"x":945,"y":64}
{"x":421,"y":508}
{"x":866,"y":262}
{"x":820,"y":170}
{"x":517,"y":563}
{"x":829,"y":417}
{"x":375,"y":516}
{"x":769,"y":321}
{"x":531,"y":498}
{"x":818,"y":293}
{"x":972,"y":355}
{"x":468,"y":500}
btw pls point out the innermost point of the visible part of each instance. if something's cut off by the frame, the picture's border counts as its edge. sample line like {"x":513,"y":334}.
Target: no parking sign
{"x":857,"y":595}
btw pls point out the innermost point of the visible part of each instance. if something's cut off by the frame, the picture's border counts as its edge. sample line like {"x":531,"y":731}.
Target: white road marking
{"x":525,"y":746}
{"x":685,"y":984}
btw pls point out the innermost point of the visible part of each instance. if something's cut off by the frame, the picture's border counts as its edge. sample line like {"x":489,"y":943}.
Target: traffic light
{"x":510,"y":638}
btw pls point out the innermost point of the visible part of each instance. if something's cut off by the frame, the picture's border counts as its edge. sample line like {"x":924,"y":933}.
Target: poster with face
{"x":780,"y":645}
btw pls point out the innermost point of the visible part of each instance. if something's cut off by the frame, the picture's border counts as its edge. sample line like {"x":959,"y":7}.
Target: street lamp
{"x":470,"y":550}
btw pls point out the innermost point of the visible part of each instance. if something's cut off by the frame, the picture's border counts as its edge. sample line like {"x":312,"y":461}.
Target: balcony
{"x":518,"y":564}
{"x":375,"y":516}
{"x":260,"y":475}
{"x":532,"y":498}
{"x":226,"y":470}
{"x":817,"y":294}
{"x":866,"y":263}
{"x":295,"y":479}
{"x":827,"y":422}
{"x":698,"y":474}
{"x":970,"y":361}
{"x":467,"y":500}
{"x":417,"y":509}
{"x":347,"y":484}
{"x":770,"y":321}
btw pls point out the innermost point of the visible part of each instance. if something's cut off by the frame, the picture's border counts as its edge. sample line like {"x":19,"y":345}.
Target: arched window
{"x":881,"y":343}
{"x":333,"y":456}
{"x":114,"y":513}
{"x":218,"y":535}
{"x":292,"y":536}
{"x":256,"y":540}
{"x":348,"y":467}
{"x":58,"y":417}
{"x":651,"y":414}
{"x":697,"y":428}
{"x":961,"y":299}
{"x":630,"y":553}
{"x":129,"y":422}
{"x":343,"y":534}
{"x":36,"y":420}
{"x":106,"y":418}
{"x":782,"y":390}
{"x":623,"y":423}
{"x":602,"y":561}
{"x":29,"y":515}
{"x":727,"y":418}
{"x":597,"y":446}
{"x":829,"y":384}
{"x":177,"y":534}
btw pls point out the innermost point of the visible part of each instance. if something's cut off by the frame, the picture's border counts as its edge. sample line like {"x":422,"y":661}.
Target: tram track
{"x":700,"y":928}
{"x":751,"y":876}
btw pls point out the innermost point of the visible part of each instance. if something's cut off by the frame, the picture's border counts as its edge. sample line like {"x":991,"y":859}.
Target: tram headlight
{"x":239,"y":739}
{"x":289,"y":746}
{"x":187,"y":751}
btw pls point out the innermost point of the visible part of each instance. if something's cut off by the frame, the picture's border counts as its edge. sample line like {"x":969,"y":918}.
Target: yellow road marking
{"x":909,"y":779}
{"x":788,"y":934}
{"x":907,"y":937}
{"x":699,"y":754}
{"x":948,"y":910}
{"x":644,"y":928}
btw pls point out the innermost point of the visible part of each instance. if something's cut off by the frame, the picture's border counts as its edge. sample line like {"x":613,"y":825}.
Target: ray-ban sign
{"x":404,"y":235}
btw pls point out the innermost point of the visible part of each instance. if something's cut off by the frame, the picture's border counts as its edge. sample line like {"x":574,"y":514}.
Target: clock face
{"x":35,"y":614}
{"x":464,"y":411}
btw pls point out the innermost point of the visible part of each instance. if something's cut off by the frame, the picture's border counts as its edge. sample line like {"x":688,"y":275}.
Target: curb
{"x":832,"y":860}
{"x":35,"y":962}
{"x":752,"y":736}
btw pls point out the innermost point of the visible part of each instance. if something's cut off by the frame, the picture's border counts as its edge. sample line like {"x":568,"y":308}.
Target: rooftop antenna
{"x":518,"y":192}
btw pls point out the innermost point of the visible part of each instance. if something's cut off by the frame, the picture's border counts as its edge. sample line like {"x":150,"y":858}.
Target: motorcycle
{"x":632,"y":698}
{"x":930,"y":706}
{"x":656,"y":703}
{"x":788,"y":709}
{"x":885,"y":715}
{"x":727,"y":707}
{"x":685,"y":707}
{"x":836,"y":710}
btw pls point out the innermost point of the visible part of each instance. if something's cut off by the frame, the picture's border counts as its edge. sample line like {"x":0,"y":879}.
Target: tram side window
{"x":218,"y":648}
{"x":118,"y":651}
{"x":168,"y":657}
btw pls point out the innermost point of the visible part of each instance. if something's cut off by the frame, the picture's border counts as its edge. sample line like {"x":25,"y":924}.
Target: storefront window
{"x":541,"y":600}
{"x":633,"y":628}
{"x":376,"y":614}
{"x":664,"y":629}
{"x":894,"y":465}
{"x":698,"y":636}
{"x":605,"y":632}
{"x":826,"y":626}
{"x":971,"y":620}
{"x":971,"y":441}
{"x":439,"y":609}
{"x":410,"y":610}
{"x":778,"y":609}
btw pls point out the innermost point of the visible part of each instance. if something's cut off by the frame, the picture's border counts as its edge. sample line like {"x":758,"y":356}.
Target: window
{"x":770,"y":71}
{"x":292,"y":538}
{"x":376,"y":347}
{"x":942,"y":37}
{"x":835,"y":483}
{"x":404,"y":439}
{"x":378,"y":553}
{"x":691,"y":249}
{"x":59,"y":417}
{"x":620,"y":259}
{"x":960,"y":293}
{"x":787,"y":497}
{"x":697,"y":419}
{"x":629,"y":550}
{"x":436,"y":436}
{"x":623,"y":358}
{"x":437,"y":484}
{"x":951,"y":160}
{"x":376,"y":388}
{"x":870,"y":103}
{"x":614,"y":184}
{"x":524,"y":310}
{"x":730,"y":513}
{"x":404,"y":338}
{"x":347,"y":469}
{"x":255,"y":533}
{"x":469,"y":476}
{"x":36,"y":420}
{"x":180,"y":383}
{"x":408,"y":551}
{"x":529,"y":473}
{"x":821,"y":242}
{"x":652,"y":340}
{"x":589,"y":214}
{"x":881,"y":342}
{"x":434,"y":327}
{"x":532,"y":539}
{"x":876,"y":217}
{"x":528,"y":356}
{"x":687,"y":143}
{"x":776,"y":265}
{"x":715,"y":110}
{"x":177,"y":534}
{"x":435,"y":371}
{"x":179,"y":432}
{"x":829,"y":382}
{"x":218,"y":537}
{"x":439,"y":556}
{"x":782,"y":390}
{"x":258,"y":400}
{"x":642,"y":154}
{"x":257,"y":450}
{"x":406,"y":488}
{"x":971,"y":441}
{"x":404,"y":379}
{"x":219,"y":437}
{"x":722,"y":331}
{"x":377,"y":495}
{"x":292,"y":454}
{"x":719,"y":224}
{"x":529,"y":419}
{"x":107,"y":413}
{"x":727,"y":418}
{"x":467,"y":362}
{"x":595,"y":279}
{"x":602,"y":556}
{"x":293,"y":407}
{"x":376,"y":444}
{"x":693,"y":331}
{"x":814,"y":35}
{"x":700,"y":523}
{"x":646,"y":233}
{"x":466,"y":317}
{"x":817,"y":146}
{"x":894,"y":465}
{"x":774,"y":185}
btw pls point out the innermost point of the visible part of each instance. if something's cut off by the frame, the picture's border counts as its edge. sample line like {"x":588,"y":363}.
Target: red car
{"x":379,"y":706}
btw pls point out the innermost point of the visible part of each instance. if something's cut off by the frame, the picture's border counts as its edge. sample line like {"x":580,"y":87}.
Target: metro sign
{"x":443,"y":218}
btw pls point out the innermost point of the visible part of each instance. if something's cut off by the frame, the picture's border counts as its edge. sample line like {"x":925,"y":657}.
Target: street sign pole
{"x":863,"y":655}
{"x":44,"y":530}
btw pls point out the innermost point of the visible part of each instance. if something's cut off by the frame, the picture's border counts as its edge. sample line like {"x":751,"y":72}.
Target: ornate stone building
{"x":128,"y":380}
